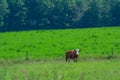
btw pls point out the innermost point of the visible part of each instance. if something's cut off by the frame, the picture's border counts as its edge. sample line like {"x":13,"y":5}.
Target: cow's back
{"x":70,"y":53}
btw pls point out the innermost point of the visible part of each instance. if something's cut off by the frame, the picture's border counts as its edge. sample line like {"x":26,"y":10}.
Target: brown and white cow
{"x":72,"y":54}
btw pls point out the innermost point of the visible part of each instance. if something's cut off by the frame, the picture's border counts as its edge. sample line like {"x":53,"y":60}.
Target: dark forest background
{"x":18,"y":15}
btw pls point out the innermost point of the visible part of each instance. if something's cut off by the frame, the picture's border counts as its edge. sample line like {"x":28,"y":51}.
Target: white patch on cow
{"x":77,"y":51}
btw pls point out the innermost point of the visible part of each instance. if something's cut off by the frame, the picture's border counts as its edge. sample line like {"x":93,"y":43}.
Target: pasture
{"x":94,"y":42}
{"x":46,"y":53}
{"x":59,"y":70}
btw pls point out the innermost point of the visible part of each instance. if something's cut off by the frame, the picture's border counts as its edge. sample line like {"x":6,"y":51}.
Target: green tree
{"x":3,"y":12}
{"x":115,"y":12}
{"x":58,"y":14}
{"x":38,"y":11}
{"x":17,"y":16}
{"x":91,"y":17}
{"x":104,"y":13}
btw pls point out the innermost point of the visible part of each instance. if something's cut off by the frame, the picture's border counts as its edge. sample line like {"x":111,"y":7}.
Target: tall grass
{"x":58,"y":70}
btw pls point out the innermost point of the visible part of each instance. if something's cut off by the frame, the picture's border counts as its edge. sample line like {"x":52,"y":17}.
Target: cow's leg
{"x":67,"y":59}
{"x":75,"y":59}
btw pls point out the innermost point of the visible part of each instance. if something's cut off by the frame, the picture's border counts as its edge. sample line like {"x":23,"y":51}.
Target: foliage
{"x":3,"y":12}
{"x":17,"y":15}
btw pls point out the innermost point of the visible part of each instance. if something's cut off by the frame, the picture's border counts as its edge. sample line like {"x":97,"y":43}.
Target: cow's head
{"x":77,"y":51}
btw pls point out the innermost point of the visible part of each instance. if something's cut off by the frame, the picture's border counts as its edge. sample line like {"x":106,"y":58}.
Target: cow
{"x":72,"y":54}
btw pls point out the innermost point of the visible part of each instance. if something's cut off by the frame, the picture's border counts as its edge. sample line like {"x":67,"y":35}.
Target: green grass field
{"x":94,"y":42}
{"x":46,"y":50}
{"x":59,"y":70}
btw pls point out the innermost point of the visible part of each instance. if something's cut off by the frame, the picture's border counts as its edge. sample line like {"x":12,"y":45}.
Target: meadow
{"x":59,"y":70}
{"x":93,"y":42}
{"x":46,"y":53}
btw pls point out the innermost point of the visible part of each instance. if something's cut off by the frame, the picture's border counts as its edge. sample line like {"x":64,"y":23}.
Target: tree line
{"x":17,"y":15}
